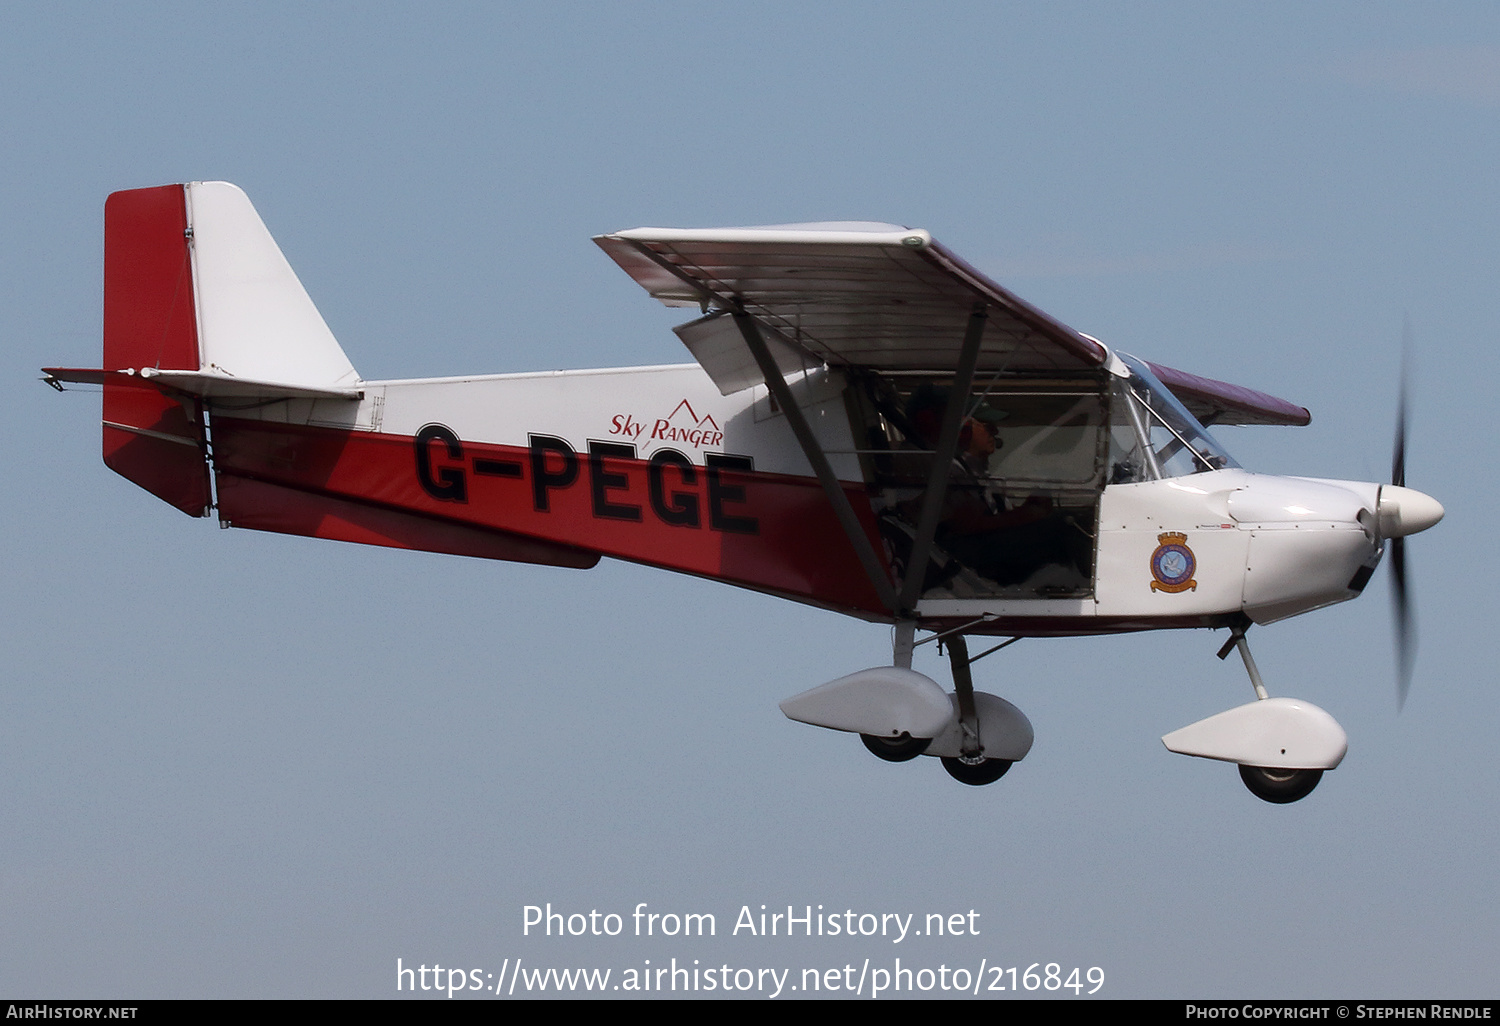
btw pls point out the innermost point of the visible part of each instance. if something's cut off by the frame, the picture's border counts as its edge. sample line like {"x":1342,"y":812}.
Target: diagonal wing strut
{"x":776,"y":382}
{"x":937,"y":481}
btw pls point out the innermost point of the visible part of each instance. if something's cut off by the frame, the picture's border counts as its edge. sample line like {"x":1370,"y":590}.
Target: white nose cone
{"x":1406,"y":511}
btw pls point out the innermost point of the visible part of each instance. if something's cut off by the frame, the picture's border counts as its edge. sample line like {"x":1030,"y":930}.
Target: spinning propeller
{"x":1403,"y":511}
{"x":1406,"y":631}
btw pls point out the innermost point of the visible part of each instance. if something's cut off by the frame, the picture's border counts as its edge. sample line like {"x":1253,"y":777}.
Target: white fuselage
{"x":1177,"y":550}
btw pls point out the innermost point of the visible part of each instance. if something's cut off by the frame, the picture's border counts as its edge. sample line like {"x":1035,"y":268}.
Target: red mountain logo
{"x":698,"y":421}
{"x":699,"y":432}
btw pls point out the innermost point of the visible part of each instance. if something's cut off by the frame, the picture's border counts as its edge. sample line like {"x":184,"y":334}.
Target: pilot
{"x":977,"y":530}
{"x":1003,"y":545}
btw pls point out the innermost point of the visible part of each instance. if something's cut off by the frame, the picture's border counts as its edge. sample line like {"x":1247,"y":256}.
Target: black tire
{"x":986,"y":772}
{"x":1280,"y":786}
{"x":896,"y":749}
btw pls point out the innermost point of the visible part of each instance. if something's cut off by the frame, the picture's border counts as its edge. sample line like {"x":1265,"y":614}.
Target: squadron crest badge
{"x":1173,"y":563}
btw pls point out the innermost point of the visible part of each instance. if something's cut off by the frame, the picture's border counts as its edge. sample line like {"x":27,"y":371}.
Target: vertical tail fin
{"x":199,"y":302}
{"x":255,"y":320}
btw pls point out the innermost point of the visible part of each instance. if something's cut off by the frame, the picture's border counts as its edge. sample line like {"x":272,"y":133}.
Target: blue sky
{"x":249,"y":765}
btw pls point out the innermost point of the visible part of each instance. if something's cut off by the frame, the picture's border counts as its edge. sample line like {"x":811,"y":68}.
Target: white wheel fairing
{"x":883,"y":701}
{"x":1276,"y":733}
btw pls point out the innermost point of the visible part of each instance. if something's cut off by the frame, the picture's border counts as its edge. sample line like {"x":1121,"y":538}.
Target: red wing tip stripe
{"x":1230,"y":397}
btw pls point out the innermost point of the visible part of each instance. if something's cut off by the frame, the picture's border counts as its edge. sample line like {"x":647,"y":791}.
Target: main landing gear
{"x":985,"y":771}
{"x":1280,"y":786}
{"x":896,"y":749}
{"x":900,"y":714}
{"x":976,"y":763}
{"x":1282,"y":745}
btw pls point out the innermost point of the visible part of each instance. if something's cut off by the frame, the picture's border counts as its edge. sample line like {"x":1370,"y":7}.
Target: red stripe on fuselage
{"x":770,"y":532}
{"x":262,"y":506}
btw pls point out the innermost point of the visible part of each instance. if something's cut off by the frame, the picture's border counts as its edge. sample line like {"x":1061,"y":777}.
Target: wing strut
{"x":815,"y":455}
{"x":942,"y":460}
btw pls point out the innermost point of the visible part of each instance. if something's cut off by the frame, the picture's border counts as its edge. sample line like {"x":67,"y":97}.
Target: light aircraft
{"x":871,"y":426}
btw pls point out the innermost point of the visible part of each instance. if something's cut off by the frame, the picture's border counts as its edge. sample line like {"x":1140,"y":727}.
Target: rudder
{"x":151,"y":438}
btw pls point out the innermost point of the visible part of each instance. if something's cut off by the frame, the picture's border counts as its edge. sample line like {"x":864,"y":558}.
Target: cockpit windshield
{"x":1152,"y":435}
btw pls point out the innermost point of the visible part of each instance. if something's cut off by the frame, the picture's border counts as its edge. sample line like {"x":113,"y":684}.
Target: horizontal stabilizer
{"x":202,"y":384}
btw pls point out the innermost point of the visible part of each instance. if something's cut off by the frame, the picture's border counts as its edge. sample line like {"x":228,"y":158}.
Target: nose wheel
{"x":1281,"y":745}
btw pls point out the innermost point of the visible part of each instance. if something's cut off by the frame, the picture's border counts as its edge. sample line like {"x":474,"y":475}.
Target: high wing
{"x":877,"y":296}
{"x":847,"y":294}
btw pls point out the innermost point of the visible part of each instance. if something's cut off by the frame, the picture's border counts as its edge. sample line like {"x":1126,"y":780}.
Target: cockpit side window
{"x":1020,"y":494}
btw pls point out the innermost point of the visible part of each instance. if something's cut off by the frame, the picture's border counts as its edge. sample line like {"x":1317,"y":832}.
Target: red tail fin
{"x":151,"y":438}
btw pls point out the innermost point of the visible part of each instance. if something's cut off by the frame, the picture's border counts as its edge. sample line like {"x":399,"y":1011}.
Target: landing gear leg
{"x":903,"y":638}
{"x":1268,"y":783}
{"x":970,"y":767}
{"x":1237,"y":640}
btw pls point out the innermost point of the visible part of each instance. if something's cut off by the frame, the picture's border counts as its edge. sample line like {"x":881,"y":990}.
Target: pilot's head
{"x":977,"y":439}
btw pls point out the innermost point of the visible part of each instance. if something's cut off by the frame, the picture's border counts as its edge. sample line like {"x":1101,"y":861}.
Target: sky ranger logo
{"x":682,"y":425}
